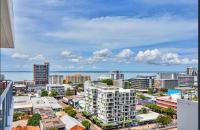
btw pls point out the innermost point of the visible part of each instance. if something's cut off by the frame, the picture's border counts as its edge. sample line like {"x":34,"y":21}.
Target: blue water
{"x":173,"y":91}
{"x":28,"y":75}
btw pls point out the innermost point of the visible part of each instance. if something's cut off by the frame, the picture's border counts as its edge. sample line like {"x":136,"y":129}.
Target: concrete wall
{"x":187,"y":115}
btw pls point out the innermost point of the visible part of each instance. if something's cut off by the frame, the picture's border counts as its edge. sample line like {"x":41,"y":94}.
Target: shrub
{"x":86,"y":123}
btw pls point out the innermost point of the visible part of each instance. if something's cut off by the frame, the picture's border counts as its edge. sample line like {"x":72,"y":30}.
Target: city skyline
{"x":83,"y":35}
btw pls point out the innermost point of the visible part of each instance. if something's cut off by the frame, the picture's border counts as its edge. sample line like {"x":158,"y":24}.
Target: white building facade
{"x":111,"y":104}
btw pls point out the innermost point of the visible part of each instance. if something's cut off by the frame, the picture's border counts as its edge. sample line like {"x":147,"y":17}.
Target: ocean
{"x":28,"y":75}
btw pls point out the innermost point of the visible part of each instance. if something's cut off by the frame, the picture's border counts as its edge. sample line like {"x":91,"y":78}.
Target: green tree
{"x":170,"y":112}
{"x":163,"y":90}
{"x":34,"y":120}
{"x":66,"y":109}
{"x":143,"y":110}
{"x":53,"y":129}
{"x":195,"y":98}
{"x":53,"y":93}
{"x":86,"y":114}
{"x":86,"y":124}
{"x":72,"y":113}
{"x":44,"y":93}
{"x":150,"y":90}
{"x":68,"y":92}
{"x":107,"y":81}
{"x":164,"y":120}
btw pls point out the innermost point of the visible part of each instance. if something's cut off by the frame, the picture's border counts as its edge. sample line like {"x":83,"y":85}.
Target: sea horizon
{"x":28,"y":75}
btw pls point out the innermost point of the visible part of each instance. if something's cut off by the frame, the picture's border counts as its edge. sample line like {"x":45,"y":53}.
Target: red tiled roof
{"x":26,"y":128}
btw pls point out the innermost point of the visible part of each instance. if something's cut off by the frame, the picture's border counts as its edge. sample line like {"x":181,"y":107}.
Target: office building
{"x":167,"y":75}
{"x":111,"y":104}
{"x":77,"y":78}
{"x":142,"y":82}
{"x":165,"y":83}
{"x":41,"y":73}
{"x":189,"y":70}
{"x":187,"y":114}
{"x":186,"y":81}
{"x":56,"y":79}
{"x":56,"y":87}
{"x":116,"y":75}
{"x":6,"y":41}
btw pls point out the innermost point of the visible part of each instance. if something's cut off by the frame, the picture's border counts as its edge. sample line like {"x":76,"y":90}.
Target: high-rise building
{"x":111,"y":104}
{"x":6,"y":41}
{"x":56,"y":79}
{"x":41,"y":73}
{"x":77,"y":78}
{"x":115,"y":75}
{"x":189,"y":70}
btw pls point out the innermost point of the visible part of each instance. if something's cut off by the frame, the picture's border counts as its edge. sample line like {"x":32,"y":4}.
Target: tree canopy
{"x":53,"y":93}
{"x":44,"y":93}
{"x":164,"y":120}
{"x":86,"y":124}
{"x":34,"y":120}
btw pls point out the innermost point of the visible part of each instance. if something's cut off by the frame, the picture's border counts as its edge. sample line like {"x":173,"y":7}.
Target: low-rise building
{"x":54,"y":104}
{"x":19,"y":88}
{"x":147,"y":118}
{"x":46,"y":124}
{"x":23,"y":104}
{"x":46,"y":113}
{"x":167,"y":101}
{"x":45,"y":102}
{"x":58,"y":88}
{"x":71,"y":123}
{"x":186,"y":81}
{"x":187,"y":114}
{"x":26,"y":128}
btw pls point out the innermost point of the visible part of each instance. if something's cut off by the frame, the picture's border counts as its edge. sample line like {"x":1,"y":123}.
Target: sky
{"x":94,"y":35}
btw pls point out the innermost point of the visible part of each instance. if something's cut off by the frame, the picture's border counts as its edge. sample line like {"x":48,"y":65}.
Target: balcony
{"x":6,"y":104}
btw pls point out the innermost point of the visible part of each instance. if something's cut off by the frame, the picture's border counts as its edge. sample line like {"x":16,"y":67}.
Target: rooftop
{"x":70,"y":122}
{"x":147,"y":117}
{"x":22,"y":102}
{"x":26,"y":128}
{"x":46,"y":113}
{"x":52,"y":123}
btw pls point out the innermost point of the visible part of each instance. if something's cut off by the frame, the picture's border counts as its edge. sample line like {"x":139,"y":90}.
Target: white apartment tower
{"x":111,"y":104}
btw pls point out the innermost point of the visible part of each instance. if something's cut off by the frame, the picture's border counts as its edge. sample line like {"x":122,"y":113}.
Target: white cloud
{"x":113,"y":32}
{"x":102,"y":54}
{"x":125,"y":53}
{"x":38,"y":57}
{"x":67,"y":53}
{"x":19,"y":56}
{"x":157,"y":57}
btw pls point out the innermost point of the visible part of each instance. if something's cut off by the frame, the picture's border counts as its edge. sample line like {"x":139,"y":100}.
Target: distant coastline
{"x":96,"y":71}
